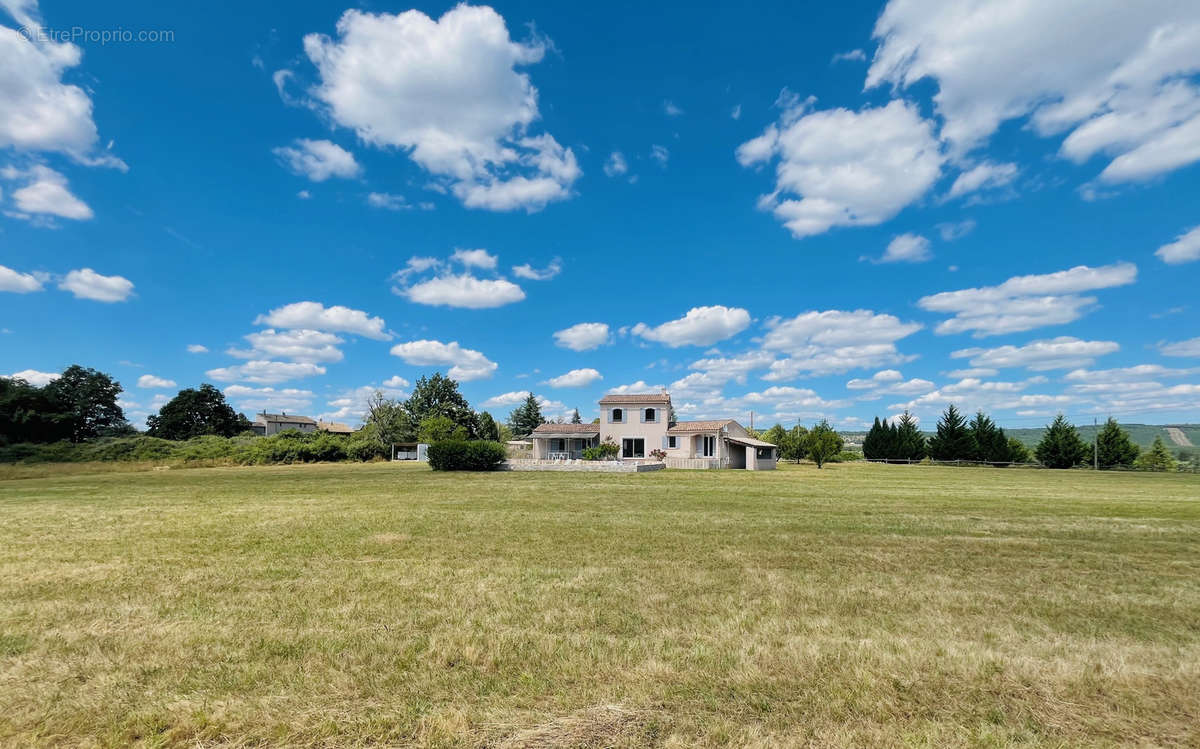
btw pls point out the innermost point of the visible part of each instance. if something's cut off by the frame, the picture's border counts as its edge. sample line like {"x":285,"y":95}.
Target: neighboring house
{"x":639,"y":424}
{"x":267,"y":424}
{"x":334,"y":427}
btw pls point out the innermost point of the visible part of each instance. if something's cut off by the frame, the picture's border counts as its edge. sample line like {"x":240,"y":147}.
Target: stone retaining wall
{"x":583,"y":466}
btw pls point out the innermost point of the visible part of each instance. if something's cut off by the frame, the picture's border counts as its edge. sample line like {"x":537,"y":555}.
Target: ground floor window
{"x":672,"y":442}
{"x":710,"y":447}
{"x":633,"y":447}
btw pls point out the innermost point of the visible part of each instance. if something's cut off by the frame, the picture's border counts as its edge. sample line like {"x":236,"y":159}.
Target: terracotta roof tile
{"x":618,"y":399}
{"x":566,"y":428}
{"x":699,"y":426}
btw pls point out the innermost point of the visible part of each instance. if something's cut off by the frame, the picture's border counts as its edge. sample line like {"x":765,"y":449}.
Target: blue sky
{"x":798,"y":210}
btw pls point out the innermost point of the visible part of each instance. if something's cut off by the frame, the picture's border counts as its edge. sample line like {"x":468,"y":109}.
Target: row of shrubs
{"x":461,"y":455}
{"x":286,"y":447}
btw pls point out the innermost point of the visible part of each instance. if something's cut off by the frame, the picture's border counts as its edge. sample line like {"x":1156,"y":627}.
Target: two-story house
{"x":639,"y":424}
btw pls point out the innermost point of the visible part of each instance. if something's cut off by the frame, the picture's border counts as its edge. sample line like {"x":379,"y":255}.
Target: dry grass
{"x":387,"y":605}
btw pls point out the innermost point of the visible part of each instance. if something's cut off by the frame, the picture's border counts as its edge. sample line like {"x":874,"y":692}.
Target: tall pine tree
{"x":953,"y":440}
{"x":870,"y":445}
{"x":1061,"y":446}
{"x":991,"y":443}
{"x":1113,"y":446}
{"x":909,"y":442}
{"x":526,"y":417}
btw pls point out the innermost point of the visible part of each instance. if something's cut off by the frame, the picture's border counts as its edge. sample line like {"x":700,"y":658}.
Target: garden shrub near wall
{"x":460,"y":455}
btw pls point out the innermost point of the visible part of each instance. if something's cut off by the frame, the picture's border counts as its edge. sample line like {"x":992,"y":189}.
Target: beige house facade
{"x":640,"y":424}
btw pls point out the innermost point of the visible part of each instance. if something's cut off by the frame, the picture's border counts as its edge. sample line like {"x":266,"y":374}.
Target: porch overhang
{"x":565,"y":435}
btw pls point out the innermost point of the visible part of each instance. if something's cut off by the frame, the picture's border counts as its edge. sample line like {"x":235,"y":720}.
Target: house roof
{"x":617,"y":400}
{"x":334,"y":426}
{"x":699,"y":426}
{"x":751,"y":442}
{"x":284,"y":418}
{"x":545,"y":430}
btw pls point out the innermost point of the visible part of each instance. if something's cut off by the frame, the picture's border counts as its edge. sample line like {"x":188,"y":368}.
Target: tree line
{"x":981,"y":440}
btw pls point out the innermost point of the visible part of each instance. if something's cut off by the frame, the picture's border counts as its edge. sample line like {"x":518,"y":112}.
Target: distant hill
{"x":1142,"y":434}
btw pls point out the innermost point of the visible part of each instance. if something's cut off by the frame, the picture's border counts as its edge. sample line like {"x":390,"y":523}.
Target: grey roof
{"x":282,"y":418}
{"x":638,"y":398}
{"x":751,"y":442}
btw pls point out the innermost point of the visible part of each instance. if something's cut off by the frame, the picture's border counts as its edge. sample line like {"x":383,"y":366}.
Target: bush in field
{"x":460,"y":455}
{"x":846,"y":456}
{"x":127,"y":448}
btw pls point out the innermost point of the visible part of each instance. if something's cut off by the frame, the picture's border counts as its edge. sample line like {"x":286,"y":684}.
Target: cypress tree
{"x":870,"y":444}
{"x":1061,"y":446}
{"x":1113,"y":446}
{"x":991,"y":444}
{"x":910,"y":443}
{"x":1157,"y":458}
{"x":953,"y":440}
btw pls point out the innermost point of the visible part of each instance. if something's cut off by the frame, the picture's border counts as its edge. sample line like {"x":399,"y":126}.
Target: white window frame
{"x":704,"y":443}
{"x":647,"y":420}
{"x":672,"y":442}
{"x":612,"y":416}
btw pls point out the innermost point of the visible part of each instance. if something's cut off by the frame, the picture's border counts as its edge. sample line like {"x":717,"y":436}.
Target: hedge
{"x":460,"y":455}
{"x":286,"y":447}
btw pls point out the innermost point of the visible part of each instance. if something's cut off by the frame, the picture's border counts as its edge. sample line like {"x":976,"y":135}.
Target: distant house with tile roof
{"x":639,"y":423}
{"x":267,"y":424}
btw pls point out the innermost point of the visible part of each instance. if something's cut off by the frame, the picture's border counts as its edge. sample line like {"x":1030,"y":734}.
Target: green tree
{"x":991,"y":444}
{"x":871,"y":446}
{"x":953,"y":440}
{"x":488,"y":428}
{"x":775,"y":435}
{"x":87,"y":404}
{"x":794,"y":446}
{"x":1157,"y":458}
{"x":439,"y":429}
{"x":195,"y":412}
{"x":526,"y":417}
{"x":1017,"y":452}
{"x":28,"y":413}
{"x":907,"y":441}
{"x":576,"y":418}
{"x":1061,"y":446}
{"x":822,"y":443}
{"x":1113,"y":446}
{"x":439,"y":396}
{"x":387,"y":421}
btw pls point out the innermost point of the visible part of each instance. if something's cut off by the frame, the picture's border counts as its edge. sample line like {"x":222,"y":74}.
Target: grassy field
{"x":860,"y":605}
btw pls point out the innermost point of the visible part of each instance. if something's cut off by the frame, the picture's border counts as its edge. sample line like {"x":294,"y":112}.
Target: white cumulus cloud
{"x":451,"y":94}
{"x":86,"y":283}
{"x":1064,"y":352}
{"x":576,"y":378}
{"x":583,"y":336}
{"x":18,"y":283}
{"x":318,"y":159}
{"x":992,"y":61}
{"x":312,"y":346}
{"x":843,"y":168}
{"x":1185,"y":248}
{"x":465,"y":364}
{"x":1026,"y":302}
{"x":151,"y":382}
{"x":316,"y":316}
{"x":34,"y":377}
{"x":265,"y":372}
{"x":701,"y":326}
